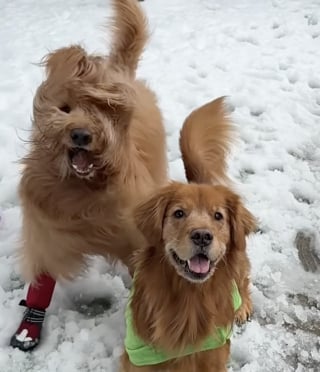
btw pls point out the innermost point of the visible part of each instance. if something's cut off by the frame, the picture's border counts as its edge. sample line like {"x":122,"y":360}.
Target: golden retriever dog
{"x":97,"y":148}
{"x":191,"y":280}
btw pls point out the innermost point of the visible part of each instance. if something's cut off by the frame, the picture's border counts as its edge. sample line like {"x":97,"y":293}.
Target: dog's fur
{"x":66,"y":215}
{"x":205,"y":146}
{"x":170,"y":310}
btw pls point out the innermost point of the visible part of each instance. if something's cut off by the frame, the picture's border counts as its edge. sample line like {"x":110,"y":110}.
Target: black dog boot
{"x":28,"y":334}
{"x":38,"y":299}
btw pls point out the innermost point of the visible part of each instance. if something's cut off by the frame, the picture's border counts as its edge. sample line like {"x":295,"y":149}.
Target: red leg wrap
{"x":38,"y":299}
{"x":40,"y":293}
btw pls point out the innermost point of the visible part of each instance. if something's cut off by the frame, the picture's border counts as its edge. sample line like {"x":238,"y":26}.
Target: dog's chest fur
{"x":72,"y":221}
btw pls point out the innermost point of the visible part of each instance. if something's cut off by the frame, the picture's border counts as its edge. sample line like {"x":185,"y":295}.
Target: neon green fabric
{"x":141,"y":354}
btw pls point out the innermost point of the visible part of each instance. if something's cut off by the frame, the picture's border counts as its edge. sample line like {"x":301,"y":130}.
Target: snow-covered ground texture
{"x":265,"y":55}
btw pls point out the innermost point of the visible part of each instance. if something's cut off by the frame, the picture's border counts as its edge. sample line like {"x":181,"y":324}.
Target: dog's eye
{"x":218,"y":216}
{"x":65,"y":108}
{"x":179,"y":213}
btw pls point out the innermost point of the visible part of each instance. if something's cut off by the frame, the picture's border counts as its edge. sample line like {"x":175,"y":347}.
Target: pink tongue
{"x":80,"y":159}
{"x":199,"y":264}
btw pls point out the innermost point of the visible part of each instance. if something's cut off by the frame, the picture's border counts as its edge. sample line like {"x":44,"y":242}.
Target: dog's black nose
{"x":80,"y":137}
{"x":201,"y":238}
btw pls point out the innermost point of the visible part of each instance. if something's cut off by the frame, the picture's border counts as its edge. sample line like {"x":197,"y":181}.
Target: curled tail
{"x":130,"y":34}
{"x":205,"y":140}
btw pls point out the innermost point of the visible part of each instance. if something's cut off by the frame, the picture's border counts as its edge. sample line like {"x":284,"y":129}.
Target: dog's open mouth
{"x":81,"y":161}
{"x":197,"y":268}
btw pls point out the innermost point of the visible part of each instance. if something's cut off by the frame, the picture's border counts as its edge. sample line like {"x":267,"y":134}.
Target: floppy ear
{"x":149,"y":215}
{"x":242,"y":222}
{"x":69,"y":61}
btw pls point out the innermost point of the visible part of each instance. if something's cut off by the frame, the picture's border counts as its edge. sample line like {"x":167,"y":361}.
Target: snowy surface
{"x":265,"y":55}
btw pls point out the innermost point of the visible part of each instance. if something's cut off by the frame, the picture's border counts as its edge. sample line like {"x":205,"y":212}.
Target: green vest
{"x":141,"y":354}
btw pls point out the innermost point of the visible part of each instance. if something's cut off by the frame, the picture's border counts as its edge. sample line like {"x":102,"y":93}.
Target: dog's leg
{"x":245,"y":311}
{"x":37,"y":301}
{"x":212,"y":360}
{"x":243,"y":283}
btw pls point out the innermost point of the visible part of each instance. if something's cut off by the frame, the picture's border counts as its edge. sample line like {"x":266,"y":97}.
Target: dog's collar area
{"x":141,"y":354}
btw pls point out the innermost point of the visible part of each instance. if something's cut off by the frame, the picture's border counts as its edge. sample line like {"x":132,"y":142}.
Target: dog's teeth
{"x":74,"y":166}
{"x":188,"y":263}
{"x":82,"y":171}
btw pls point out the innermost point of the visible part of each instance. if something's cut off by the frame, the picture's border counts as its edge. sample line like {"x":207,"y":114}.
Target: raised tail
{"x":205,"y":140}
{"x":130,"y":34}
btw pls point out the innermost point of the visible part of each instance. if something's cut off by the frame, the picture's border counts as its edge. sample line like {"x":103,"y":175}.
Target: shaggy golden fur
{"x":205,"y":146}
{"x":77,"y":202}
{"x":172,"y":305}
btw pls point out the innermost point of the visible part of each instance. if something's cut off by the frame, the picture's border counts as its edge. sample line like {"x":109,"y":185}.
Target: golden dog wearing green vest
{"x":191,"y":281}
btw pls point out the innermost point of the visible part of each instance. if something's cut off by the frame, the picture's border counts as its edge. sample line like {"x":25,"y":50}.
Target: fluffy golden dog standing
{"x":191,"y":277}
{"x":98,"y":147}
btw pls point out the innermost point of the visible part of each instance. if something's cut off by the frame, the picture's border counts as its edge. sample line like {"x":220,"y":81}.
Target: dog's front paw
{"x":244,"y":313}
